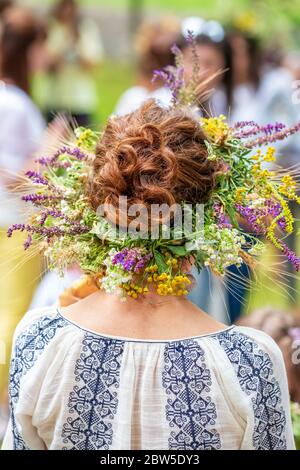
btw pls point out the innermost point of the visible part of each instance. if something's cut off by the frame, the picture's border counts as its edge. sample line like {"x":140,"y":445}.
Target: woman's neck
{"x":151,"y":317}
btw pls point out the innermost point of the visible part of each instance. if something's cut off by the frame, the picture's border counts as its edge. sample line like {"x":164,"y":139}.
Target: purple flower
{"x":222,"y":220}
{"x":291,"y":255}
{"x":75,"y":224}
{"x":36,"y":198}
{"x":251,"y":214}
{"x":14,"y":228}
{"x":37,"y":177}
{"x":28,"y":242}
{"x":48,"y":161}
{"x":52,"y":161}
{"x":131,"y":259}
{"x":275,"y":136}
{"x":173,"y":78}
{"x":241,"y":124}
{"x":246,"y":129}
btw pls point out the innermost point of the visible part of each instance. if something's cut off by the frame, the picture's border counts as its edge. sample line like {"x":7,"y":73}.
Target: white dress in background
{"x":135,"y":96}
{"x":21,"y":130}
{"x":71,"y":388}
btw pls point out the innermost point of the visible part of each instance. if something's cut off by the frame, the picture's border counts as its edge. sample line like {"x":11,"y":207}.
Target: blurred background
{"x":87,"y":59}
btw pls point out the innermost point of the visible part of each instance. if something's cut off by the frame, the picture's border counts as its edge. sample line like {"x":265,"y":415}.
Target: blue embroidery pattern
{"x":254,"y":370}
{"x":28,"y":347}
{"x":94,"y":400}
{"x":189,"y":410}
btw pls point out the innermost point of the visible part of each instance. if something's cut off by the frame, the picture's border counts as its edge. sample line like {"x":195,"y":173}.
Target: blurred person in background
{"x":214,"y":59}
{"x":21,"y":129}
{"x":246,"y":68}
{"x":74,"y":49}
{"x":291,"y":63}
{"x":153,"y":47}
{"x":262,"y":91}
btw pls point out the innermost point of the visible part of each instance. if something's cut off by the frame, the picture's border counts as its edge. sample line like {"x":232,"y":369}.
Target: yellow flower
{"x":84,"y":137}
{"x":163,"y":277}
{"x":288,"y":188}
{"x":257,"y":156}
{"x":266,"y":173}
{"x":286,"y":213}
{"x":269,"y":156}
{"x":216,"y":128}
{"x":256,"y":169}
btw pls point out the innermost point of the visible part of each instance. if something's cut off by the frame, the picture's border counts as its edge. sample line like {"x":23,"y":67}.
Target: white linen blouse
{"x":72,"y":388}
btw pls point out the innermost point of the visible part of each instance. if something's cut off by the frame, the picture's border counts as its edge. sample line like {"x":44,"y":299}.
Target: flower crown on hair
{"x":249,"y":203}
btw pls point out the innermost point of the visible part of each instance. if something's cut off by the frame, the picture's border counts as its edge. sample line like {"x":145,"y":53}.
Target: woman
{"x":214,"y":60}
{"x":153,"y":43}
{"x":153,"y":372}
{"x":21,"y":129}
{"x":75,"y":50}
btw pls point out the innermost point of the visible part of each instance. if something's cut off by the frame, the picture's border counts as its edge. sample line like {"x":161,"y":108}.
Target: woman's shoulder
{"x":38,"y":322}
{"x":247,"y":345}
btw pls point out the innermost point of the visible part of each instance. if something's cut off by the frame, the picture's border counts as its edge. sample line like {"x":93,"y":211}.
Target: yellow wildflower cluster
{"x":288,"y":218}
{"x":270,"y":155}
{"x":261,"y":173}
{"x":84,"y":137}
{"x":257,"y":157}
{"x":167,"y":283}
{"x":216,"y":128}
{"x":134,"y":290}
{"x":239,"y":194}
{"x":288,"y":188}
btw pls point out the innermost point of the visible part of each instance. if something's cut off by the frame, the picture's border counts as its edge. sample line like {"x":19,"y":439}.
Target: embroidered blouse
{"x":72,"y":388}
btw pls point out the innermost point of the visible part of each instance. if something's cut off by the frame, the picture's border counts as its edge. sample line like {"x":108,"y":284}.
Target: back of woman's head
{"x":152,"y":156}
{"x":19,"y":30}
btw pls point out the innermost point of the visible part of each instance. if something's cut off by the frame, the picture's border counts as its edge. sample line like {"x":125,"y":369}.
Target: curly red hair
{"x":153,"y":156}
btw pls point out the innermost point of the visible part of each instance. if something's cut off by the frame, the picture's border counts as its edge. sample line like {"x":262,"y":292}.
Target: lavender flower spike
{"x":269,"y":138}
{"x":36,"y":177}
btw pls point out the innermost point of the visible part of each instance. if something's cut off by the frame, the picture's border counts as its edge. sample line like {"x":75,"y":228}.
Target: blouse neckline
{"x":138,"y":340}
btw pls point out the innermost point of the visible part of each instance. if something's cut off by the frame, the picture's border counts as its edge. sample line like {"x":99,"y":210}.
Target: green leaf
{"x":160,"y":261}
{"x":177,"y":250}
{"x":231,"y":212}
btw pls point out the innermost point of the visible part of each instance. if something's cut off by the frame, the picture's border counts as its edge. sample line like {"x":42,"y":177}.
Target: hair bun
{"x":152,"y":156}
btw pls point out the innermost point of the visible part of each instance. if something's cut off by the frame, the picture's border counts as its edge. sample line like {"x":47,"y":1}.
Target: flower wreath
{"x":68,"y":230}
